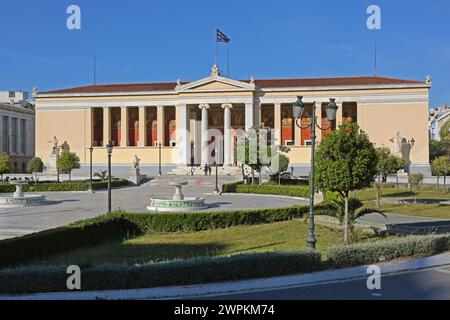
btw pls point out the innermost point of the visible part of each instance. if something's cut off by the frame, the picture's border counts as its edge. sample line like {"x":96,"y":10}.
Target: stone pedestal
{"x":135,"y":177}
{"x":52,"y":167}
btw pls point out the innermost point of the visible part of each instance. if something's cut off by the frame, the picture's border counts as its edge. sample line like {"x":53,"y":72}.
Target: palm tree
{"x":102,"y":175}
{"x":355,"y":211}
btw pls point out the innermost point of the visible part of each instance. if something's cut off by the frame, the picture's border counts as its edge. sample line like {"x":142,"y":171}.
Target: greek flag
{"x":221,"y":37}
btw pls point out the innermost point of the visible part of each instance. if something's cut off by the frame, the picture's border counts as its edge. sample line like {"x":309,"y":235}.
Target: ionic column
{"x":183,"y":135}
{"x":142,"y":127}
{"x":277,"y":123}
{"x":205,"y":134}
{"x":319,"y":120}
{"x":227,"y":157}
{"x":123,"y":126}
{"x":249,"y":116}
{"x":161,"y":125}
{"x":106,"y":125}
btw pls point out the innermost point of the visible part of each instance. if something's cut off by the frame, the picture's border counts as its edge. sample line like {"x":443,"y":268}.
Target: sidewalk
{"x":198,"y":291}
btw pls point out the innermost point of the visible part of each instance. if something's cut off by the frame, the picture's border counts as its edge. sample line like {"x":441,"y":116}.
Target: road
{"x":426,"y":284}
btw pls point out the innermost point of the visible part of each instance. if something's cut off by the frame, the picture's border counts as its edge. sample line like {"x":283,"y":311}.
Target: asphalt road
{"x":426,"y":284}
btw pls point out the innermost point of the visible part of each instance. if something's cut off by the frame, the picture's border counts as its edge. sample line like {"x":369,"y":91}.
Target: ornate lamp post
{"x":298,"y":110}
{"x":159,"y":150}
{"x":91,"y":150}
{"x":216,"y":190}
{"x":109,"y":149}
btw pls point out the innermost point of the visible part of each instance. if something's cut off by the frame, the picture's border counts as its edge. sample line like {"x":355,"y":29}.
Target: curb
{"x":215,"y":289}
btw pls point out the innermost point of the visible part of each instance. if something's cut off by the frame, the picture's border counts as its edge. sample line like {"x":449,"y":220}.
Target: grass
{"x":424,"y":192}
{"x":422,"y":210}
{"x":181,"y":245}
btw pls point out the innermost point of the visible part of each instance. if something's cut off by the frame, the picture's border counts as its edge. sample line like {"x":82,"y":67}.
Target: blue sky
{"x":145,"y":41}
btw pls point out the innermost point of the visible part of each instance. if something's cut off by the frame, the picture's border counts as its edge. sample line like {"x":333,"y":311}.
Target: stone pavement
{"x":68,"y":207}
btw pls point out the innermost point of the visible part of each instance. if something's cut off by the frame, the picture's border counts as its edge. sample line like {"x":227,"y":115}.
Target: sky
{"x":157,"y":41}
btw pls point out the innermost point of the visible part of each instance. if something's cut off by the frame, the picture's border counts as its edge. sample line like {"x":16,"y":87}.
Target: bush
{"x":375,"y":252}
{"x":194,"y":271}
{"x":64,"y":186}
{"x":35,"y":165}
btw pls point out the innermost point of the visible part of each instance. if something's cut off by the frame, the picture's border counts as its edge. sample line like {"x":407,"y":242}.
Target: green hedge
{"x":184,"y":272}
{"x":119,"y":225}
{"x":299,"y":190}
{"x":376,"y":252}
{"x":64,"y":186}
{"x":294,"y":191}
{"x":90,"y":232}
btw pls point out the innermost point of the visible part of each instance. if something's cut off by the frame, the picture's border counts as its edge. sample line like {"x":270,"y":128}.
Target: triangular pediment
{"x":215,"y":83}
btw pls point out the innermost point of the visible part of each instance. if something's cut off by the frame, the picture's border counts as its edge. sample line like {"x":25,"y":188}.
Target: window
{"x":12,"y":94}
{"x":23,"y":135}
{"x":5,"y":135}
{"x":14,"y":135}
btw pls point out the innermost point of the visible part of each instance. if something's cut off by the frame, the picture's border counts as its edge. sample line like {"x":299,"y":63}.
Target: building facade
{"x":185,"y":116}
{"x":438,"y":118}
{"x":17,"y":131}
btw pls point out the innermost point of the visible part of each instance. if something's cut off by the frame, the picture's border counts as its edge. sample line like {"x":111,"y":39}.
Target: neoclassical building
{"x":137,"y":117}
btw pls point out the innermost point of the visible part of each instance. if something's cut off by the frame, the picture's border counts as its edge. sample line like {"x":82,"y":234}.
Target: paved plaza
{"x":67,"y":207}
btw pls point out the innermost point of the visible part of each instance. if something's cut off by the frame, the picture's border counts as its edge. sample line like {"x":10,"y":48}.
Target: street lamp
{"x":298,"y":110}
{"x":216,"y":190}
{"x":91,"y":150}
{"x":159,"y":149}
{"x":109,"y":149}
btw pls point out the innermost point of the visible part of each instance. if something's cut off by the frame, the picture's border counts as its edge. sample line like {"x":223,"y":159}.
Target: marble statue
{"x":55,"y":146}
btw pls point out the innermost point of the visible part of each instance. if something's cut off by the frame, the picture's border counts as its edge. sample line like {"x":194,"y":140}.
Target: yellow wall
{"x":72,"y":126}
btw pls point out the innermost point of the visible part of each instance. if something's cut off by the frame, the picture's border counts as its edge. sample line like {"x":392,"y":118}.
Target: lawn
{"x":168,"y":246}
{"x":402,"y":192}
{"x":421,"y":210}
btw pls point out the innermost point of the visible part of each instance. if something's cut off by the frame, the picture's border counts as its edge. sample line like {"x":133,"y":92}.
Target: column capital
{"x":227,"y":106}
{"x":204,"y":106}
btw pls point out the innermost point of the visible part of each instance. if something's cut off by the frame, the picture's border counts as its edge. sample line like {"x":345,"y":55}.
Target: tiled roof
{"x":262,"y":83}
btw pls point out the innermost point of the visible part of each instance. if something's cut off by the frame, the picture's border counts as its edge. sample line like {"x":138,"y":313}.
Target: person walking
{"x":206,"y":169}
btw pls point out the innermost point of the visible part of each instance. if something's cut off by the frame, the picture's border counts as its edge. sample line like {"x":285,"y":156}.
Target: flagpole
{"x":228,"y":61}
{"x":217,"y":47}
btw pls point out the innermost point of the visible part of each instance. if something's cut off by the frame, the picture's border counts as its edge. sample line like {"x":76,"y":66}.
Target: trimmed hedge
{"x":119,"y":225}
{"x":184,"y":272}
{"x":294,"y":190}
{"x":291,"y":190}
{"x":64,"y":186}
{"x":379,"y":251}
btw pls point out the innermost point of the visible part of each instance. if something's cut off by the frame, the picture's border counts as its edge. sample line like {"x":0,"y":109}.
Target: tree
{"x":441,"y":167}
{"x":345,"y":161}
{"x":35,"y":165}
{"x":355,"y":211}
{"x":5,"y":165}
{"x":445,"y":131}
{"x":103,"y":175}
{"x":257,"y":152}
{"x":67,"y":162}
{"x":414,"y":181}
{"x":439,"y":148}
{"x":387,"y":165}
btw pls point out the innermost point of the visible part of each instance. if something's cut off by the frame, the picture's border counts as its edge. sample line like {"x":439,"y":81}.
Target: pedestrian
{"x":206,"y":169}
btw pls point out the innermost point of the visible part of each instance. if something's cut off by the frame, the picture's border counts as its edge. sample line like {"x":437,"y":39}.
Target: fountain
{"x":19,"y":199}
{"x":178,"y":203}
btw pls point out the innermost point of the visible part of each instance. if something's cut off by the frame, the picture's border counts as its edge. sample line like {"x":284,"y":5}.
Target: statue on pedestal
{"x":136,"y":171}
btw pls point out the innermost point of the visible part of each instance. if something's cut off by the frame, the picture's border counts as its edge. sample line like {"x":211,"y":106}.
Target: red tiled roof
{"x":262,"y":83}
